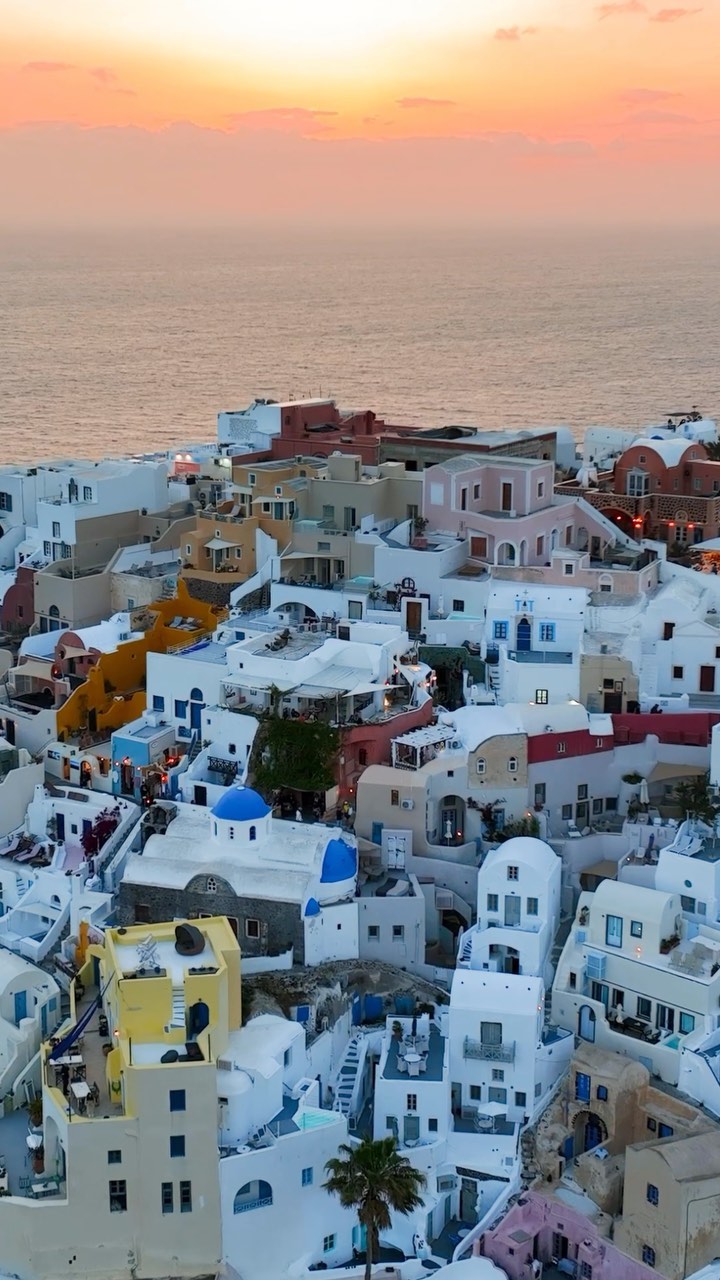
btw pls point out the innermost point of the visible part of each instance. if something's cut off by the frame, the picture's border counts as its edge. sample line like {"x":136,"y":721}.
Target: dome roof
{"x":240,"y":804}
{"x":313,"y":907}
{"x":339,"y":862}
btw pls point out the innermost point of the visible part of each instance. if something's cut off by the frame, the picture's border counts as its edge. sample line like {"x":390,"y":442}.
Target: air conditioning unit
{"x":456,"y":745}
{"x":343,"y":633}
{"x":407,"y":804}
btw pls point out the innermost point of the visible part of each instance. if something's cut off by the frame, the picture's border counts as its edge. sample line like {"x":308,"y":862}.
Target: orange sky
{"x":421,"y":109}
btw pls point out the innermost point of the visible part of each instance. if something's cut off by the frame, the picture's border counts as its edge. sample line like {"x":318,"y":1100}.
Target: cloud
{"x":103,"y":75}
{"x":523,"y":145}
{"x":285,"y":119}
{"x":411,"y":103}
{"x":123,"y":92}
{"x":647,"y":95}
{"x":673,"y":15}
{"x":511,"y":34}
{"x":620,"y":8}
{"x":50,"y":67}
{"x":660,"y":117}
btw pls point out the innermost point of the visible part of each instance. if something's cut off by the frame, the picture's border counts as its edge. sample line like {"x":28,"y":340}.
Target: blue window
{"x":547,"y":631}
{"x":613,"y":931}
{"x":177,"y":1145}
{"x":158,"y":702}
{"x":582,"y":1086}
{"x":177,"y":1099}
{"x":652,"y":1194}
{"x":500,"y":630}
{"x":167,"y":1197}
{"x":185,"y":1197}
{"x":665,"y":1130}
{"x":180,"y":709}
{"x":648,"y":1255}
{"x":115,"y":1157}
{"x":307,"y":1177}
{"x":687,"y":1023}
{"x":601,"y":1093}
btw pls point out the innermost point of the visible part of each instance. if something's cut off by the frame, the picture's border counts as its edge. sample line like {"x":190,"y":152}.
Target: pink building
{"x":506,"y":508}
{"x":545,"y":1228}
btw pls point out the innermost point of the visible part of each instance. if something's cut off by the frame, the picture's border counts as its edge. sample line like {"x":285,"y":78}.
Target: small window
{"x":652,"y":1195}
{"x":458,"y":606}
{"x":180,"y":709}
{"x":567,"y":812}
{"x":118,"y":1196}
{"x":561,"y":748}
{"x":687,"y":1023}
{"x":520,"y":1098}
{"x":648,"y":1255}
{"x":601,"y":1093}
{"x":636,"y":928}
{"x":644,"y":1008}
{"x":652,"y":1124}
{"x":513,"y":873}
{"x":597,"y":805}
{"x":398,"y":932}
{"x":251,"y":478}
{"x":328,"y":1243}
{"x":238,"y":553}
{"x":167,"y":1197}
{"x":582,"y":791}
{"x":475,"y":1092}
{"x":177,"y":1099}
{"x":373,"y":933}
{"x":186,"y":1197}
{"x":432,"y":1125}
{"x":252,"y":928}
{"x":498,"y":1075}
{"x":539,"y":545}
{"x":678,"y":673}
{"x":307,"y":1176}
{"x":362,"y":757}
{"x":115,"y":1157}
{"x":411,"y":1102}
{"x":585,"y":1270}
{"x":480,"y":765}
{"x":500,"y":630}
{"x":613,"y":931}
{"x":532,"y":906}
{"x":87,"y":493}
{"x":512,"y":764}
{"x":395,"y":797}
{"x":665,"y":1130}
{"x":547,"y":631}
{"x":568,"y":569}
{"x":56,"y":529}
{"x":492,"y":902}
{"x":541,"y":697}
{"x":668,"y":630}
{"x":572,"y":980}
{"x":158,"y":702}
{"x":188,"y":549}
{"x":177,"y":1145}
{"x":541,"y":488}
{"x":211,"y":884}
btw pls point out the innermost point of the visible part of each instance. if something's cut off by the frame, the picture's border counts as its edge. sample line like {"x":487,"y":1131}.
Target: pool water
{"x":673,"y":1042}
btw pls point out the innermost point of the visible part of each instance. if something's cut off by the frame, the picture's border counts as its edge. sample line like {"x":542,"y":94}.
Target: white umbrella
{"x":492,"y":1108}
{"x":644,"y":794}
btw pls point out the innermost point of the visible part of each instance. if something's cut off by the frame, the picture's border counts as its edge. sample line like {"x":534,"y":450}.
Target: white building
{"x":533,"y":636}
{"x":503,"y":1060}
{"x":288,"y":887}
{"x":29,"y":1012}
{"x":92,"y":490}
{"x":518,"y":910}
{"x":638,"y":975}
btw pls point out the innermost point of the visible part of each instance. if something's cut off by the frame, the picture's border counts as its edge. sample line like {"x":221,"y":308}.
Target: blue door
{"x":582,"y":1087}
{"x":20,"y":1006}
{"x":196,"y":707}
{"x":43,"y":1019}
{"x":376,"y":836}
{"x":60,"y":825}
{"x":524,"y":634}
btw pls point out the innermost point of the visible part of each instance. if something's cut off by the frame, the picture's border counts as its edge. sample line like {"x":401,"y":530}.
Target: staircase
{"x":492,"y":671}
{"x":465,"y":947}
{"x":195,"y":749}
{"x":347,"y":1075}
{"x":648,"y":668}
{"x":178,"y":1008}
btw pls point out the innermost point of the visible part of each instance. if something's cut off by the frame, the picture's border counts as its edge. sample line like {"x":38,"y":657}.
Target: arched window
{"x":480,"y":765}
{"x":253,"y":833}
{"x":196,"y":695}
{"x":211,"y":885}
{"x":253,"y":1195}
{"x":53,"y":611}
{"x":512,"y":764}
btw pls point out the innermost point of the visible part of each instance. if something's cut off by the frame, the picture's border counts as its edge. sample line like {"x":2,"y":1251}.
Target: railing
{"x":489,"y":1052}
{"x":540,"y":655}
{"x":261,"y":1203}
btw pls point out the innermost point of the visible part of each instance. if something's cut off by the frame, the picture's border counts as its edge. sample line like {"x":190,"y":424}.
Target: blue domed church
{"x":288,"y":888}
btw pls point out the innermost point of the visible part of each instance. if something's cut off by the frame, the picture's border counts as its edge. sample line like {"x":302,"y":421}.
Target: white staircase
{"x":648,"y":668}
{"x":348,"y":1076}
{"x":178,"y":1008}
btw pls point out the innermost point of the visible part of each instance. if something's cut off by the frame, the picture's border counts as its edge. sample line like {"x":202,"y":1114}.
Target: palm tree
{"x":374,"y":1179}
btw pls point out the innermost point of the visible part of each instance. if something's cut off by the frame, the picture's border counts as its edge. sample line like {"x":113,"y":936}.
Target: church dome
{"x":339,"y":863}
{"x":240,"y":804}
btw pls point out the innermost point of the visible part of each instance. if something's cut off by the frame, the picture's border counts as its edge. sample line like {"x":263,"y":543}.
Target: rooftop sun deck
{"x":435,"y":1059}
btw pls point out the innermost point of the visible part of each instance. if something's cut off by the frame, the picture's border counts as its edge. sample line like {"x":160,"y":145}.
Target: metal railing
{"x":489,"y":1052}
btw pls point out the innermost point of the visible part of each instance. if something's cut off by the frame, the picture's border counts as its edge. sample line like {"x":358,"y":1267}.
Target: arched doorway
{"x":196,"y":707}
{"x":506,"y":554}
{"x":452,"y":820}
{"x":523,"y":634}
{"x":586,"y":1023}
{"x":507,"y":958}
{"x":589,"y":1132}
{"x":54,"y":616}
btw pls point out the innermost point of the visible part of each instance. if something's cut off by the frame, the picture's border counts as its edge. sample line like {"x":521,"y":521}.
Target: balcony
{"x":489,"y":1052}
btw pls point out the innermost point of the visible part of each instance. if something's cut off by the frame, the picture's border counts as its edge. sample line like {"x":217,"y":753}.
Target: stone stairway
{"x":195,"y":749}
{"x":347,"y":1075}
{"x":178,"y":1008}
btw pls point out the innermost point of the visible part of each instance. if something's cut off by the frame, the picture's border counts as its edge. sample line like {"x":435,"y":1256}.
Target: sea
{"x":118,"y":342}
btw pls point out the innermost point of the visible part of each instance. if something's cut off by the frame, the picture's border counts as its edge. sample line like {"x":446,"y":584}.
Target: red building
{"x":318,"y":428}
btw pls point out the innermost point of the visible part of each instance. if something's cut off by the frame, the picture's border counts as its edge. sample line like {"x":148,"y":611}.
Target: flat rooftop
{"x":435,"y":1058}
{"x":175,"y":965}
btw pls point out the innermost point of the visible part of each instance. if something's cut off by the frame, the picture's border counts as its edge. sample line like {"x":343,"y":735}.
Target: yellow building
{"x":132,"y":1182}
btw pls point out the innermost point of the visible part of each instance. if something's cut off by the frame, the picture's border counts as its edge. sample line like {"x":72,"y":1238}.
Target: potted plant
{"x":35,"y":1113}
{"x":397,"y":1030}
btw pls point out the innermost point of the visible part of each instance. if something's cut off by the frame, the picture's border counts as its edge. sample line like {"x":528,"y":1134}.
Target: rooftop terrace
{"x":434,"y":1061}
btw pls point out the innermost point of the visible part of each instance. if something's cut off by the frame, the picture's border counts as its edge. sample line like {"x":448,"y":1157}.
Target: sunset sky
{"x":361,"y":110}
